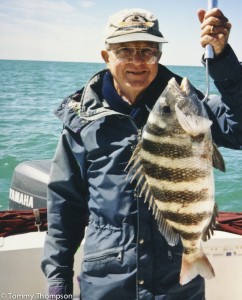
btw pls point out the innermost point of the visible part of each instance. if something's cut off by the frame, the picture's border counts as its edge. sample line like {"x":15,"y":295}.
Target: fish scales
{"x":166,"y":149}
{"x":174,"y":161}
{"x":184,"y":218}
{"x":185,"y":196}
{"x":181,"y":186}
{"x":189,"y":235}
{"x":171,"y":173}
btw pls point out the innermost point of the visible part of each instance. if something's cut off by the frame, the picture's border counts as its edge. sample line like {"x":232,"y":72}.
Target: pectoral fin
{"x":218,"y":161}
{"x":192,"y":124}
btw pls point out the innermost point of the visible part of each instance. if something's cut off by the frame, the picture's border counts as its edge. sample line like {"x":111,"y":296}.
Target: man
{"x":125,"y":255}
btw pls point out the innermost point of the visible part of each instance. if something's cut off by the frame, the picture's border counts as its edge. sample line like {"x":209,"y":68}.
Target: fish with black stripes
{"x":173,"y":164}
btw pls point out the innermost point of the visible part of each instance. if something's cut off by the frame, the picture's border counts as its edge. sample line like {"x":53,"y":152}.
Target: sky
{"x":72,"y":30}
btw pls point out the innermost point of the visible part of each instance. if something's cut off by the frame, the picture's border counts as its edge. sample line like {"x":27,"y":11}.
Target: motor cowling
{"x":29,"y":185}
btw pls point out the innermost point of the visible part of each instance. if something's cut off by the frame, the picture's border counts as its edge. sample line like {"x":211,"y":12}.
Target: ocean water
{"x":31,"y":90}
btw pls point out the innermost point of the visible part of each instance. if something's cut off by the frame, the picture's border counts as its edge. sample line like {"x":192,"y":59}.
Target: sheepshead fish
{"x":174,"y":165}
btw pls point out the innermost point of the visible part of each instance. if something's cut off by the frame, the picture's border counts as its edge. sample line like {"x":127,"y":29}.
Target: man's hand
{"x":215,"y":29}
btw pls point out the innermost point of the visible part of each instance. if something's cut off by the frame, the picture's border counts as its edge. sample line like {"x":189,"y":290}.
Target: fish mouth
{"x":189,"y":103}
{"x":186,"y":87}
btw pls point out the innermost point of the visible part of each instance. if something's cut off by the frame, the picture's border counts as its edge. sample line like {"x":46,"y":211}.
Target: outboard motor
{"x":29,"y":185}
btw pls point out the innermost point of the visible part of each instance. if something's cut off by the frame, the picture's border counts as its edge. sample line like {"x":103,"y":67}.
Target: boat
{"x":20,"y":254}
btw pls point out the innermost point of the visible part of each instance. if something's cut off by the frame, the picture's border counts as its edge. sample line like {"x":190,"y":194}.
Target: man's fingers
{"x":201,"y":14}
{"x":213,"y":21}
{"x":213,"y":30}
{"x":215,"y":12}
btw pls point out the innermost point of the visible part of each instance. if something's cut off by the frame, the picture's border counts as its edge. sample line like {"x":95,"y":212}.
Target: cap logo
{"x":135,"y":22}
{"x":131,"y":25}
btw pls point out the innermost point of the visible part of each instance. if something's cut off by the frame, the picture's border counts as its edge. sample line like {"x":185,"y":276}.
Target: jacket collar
{"x":88,"y":104}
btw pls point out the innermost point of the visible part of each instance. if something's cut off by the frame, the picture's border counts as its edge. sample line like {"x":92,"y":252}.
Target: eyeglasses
{"x":149,"y":55}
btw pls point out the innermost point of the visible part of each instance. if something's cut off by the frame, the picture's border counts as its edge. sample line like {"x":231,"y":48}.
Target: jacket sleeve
{"x":226,"y":111}
{"x":67,"y":213}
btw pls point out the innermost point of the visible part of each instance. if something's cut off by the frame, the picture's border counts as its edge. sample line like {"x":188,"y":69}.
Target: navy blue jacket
{"x":125,"y":256}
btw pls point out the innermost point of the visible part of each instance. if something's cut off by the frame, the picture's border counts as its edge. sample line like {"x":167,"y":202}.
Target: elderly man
{"x":125,"y":255}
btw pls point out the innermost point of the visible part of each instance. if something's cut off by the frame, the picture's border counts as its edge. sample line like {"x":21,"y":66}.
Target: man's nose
{"x":138,"y":57}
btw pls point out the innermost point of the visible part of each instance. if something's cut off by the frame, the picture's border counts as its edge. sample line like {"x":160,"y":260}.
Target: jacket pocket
{"x":109,"y":274}
{"x":99,"y":264}
{"x":108,"y":254}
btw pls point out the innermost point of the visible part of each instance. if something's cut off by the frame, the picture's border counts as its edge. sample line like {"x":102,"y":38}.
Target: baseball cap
{"x":133,"y":25}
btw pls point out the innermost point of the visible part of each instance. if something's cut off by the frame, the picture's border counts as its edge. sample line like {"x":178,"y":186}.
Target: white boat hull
{"x":22,"y":278}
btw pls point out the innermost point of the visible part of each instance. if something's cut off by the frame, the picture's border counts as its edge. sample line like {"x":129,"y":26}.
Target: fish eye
{"x":166,"y":109}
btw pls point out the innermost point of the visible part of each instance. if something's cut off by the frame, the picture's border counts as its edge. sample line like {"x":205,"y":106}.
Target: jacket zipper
{"x":118,"y":255}
{"x":169,"y":254}
{"x":136,"y":194}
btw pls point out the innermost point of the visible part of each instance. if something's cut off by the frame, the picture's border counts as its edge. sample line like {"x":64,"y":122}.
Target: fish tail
{"x":190,"y":269}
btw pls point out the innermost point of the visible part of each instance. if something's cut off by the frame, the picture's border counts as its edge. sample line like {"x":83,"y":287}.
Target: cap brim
{"x":133,"y":37}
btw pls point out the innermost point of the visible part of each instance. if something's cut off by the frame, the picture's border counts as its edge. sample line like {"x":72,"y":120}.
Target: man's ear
{"x":105,"y":56}
{"x":160,"y":56}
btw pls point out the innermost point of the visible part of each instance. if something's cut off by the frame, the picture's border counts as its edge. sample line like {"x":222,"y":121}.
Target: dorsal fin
{"x":135,"y":158}
{"x":166,"y":230}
